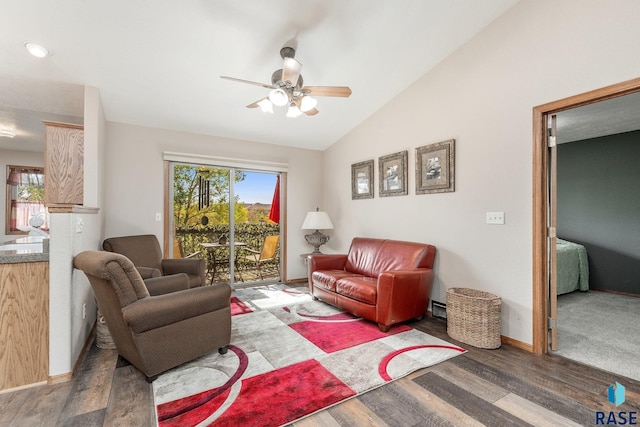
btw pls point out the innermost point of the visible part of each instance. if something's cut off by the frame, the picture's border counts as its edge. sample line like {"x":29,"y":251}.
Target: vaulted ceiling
{"x":158,"y":63}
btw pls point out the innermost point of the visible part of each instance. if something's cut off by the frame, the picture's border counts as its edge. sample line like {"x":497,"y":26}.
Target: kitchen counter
{"x":25,"y":249}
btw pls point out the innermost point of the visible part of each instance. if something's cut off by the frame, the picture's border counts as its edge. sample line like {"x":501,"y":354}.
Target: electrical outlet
{"x":158,"y":216}
{"x":79,"y":225}
{"x":495,"y":218}
{"x":84,"y":311}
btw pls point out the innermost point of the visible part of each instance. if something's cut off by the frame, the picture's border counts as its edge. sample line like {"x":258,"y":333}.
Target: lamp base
{"x":316,"y":239}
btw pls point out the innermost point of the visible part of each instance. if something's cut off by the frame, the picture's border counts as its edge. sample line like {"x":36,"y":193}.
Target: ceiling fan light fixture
{"x":293,"y":111}
{"x":266,"y":106}
{"x":308,"y":103}
{"x":279,"y":97}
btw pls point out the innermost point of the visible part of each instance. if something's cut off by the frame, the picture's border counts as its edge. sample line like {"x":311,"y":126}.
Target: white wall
{"x":135,"y":180}
{"x":72,"y":233}
{"x":13,"y":158}
{"x":482,"y":96}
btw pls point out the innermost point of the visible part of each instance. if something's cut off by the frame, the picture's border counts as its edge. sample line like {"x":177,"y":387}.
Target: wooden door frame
{"x":540,"y":202}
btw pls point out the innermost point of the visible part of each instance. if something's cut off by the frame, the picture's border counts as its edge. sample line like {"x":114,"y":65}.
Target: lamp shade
{"x":317,"y":221}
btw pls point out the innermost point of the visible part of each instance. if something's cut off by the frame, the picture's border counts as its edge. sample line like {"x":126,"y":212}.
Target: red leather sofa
{"x":385,"y":281}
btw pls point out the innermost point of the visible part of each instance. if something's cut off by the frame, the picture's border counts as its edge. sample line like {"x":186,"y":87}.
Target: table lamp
{"x":317,"y":221}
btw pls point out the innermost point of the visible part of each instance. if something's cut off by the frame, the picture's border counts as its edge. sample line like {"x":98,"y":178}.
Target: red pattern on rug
{"x":239,"y":307}
{"x":273,"y":398}
{"x":382,"y":368}
{"x":335,"y":336}
{"x":288,"y":393}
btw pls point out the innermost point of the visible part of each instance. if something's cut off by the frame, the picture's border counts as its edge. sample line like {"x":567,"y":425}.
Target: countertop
{"x":31,"y":249}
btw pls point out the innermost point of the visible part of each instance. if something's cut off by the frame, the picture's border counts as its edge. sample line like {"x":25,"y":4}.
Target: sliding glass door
{"x":231,"y":218}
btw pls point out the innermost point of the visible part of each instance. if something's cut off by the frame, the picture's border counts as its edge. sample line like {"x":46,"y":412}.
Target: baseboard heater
{"x":438,"y":309}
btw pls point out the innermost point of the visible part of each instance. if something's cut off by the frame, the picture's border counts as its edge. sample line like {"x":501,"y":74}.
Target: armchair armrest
{"x":403,"y":291}
{"x":148,"y":272}
{"x":154,"y":312}
{"x":167,"y":284}
{"x":191,"y":266}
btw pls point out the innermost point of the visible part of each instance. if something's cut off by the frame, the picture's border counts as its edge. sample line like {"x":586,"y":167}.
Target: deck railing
{"x":252,"y":234}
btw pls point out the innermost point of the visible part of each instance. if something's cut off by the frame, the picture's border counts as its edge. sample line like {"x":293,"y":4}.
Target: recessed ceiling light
{"x":36,"y":50}
{"x":7,"y":133}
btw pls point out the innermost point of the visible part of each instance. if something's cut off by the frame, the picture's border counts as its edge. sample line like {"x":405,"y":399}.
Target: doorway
{"x":228,"y":216}
{"x":543,"y":231}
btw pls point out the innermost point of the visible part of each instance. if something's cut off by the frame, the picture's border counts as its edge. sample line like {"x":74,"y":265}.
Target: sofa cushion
{"x":362,"y":255}
{"x":397,"y":255}
{"x":360,"y":288}
{"x":326,"y":279}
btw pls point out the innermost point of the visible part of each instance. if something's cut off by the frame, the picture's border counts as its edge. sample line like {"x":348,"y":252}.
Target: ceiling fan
{"x":287,"y":89}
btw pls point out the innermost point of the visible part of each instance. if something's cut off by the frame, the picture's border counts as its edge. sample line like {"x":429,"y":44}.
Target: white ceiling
{"x":157,"y":63}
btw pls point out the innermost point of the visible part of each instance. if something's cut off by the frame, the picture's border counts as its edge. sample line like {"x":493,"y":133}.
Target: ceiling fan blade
{"x":256,"y":104}
{"x":342,"y":91}
{"x":233,"y":79}
{"x":291,"y":71}
{"x":312,"y":112}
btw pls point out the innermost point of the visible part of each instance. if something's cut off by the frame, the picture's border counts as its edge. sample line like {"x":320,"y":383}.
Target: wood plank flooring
{"x":499,"y":387}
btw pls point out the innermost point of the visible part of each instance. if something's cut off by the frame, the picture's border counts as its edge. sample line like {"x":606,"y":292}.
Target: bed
{"x":572,"y":267}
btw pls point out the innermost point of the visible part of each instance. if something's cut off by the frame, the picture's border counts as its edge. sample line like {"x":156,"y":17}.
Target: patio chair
{"x":156,"y":333}
{"x":268,"y":252}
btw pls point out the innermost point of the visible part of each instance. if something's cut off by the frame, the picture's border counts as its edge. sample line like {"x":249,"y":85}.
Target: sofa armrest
{"x":401,"y":292}
{"x":324,"y":262}
{"x":167,"y":284}
{"x":148,"y":272}
{"x":190,"y":266}
{"x":327,"y":262}
{"x":154,"y":312}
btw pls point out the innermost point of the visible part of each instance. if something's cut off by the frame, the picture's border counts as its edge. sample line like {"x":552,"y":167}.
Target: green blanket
{"x":572,"y":267}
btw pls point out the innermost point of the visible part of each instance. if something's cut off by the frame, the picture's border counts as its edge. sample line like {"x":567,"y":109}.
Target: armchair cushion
{"x":148,"y":272}
{"x":167,"y":284}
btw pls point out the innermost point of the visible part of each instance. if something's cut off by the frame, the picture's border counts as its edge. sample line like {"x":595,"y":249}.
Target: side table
{"x":305,"y":257}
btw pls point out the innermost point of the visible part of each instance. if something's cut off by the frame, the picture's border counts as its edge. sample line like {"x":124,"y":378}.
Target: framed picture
{"x":393,"y":174}
{"x":362,"y":180}
{"x":435,"y":171}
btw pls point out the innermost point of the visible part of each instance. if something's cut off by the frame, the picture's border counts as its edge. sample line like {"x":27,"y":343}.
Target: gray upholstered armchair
{"x":145,"y":253}
{"x":156,"y":333}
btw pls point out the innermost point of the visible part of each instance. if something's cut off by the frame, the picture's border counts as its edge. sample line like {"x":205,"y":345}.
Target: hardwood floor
{"x":506,"y":386}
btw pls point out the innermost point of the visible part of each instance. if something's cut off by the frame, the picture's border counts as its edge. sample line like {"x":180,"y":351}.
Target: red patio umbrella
{"x":274,"y":213}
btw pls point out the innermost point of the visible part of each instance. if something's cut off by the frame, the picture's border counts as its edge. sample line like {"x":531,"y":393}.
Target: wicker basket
{"x":103,"y":336}
{"x":473,"y":317}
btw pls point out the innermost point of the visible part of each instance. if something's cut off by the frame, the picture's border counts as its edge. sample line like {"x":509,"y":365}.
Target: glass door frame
{"x":169,"y":224}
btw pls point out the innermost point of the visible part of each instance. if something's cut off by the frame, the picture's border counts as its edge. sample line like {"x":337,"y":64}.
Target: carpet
{"x":289,"y":358}
{"x":600,"y":329}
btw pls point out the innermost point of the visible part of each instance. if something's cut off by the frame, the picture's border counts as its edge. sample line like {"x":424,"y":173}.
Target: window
{"x":25,"y":199}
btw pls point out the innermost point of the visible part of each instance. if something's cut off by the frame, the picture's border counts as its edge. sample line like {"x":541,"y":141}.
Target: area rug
{"x":239,"y":307}
{"x":289,"y":360}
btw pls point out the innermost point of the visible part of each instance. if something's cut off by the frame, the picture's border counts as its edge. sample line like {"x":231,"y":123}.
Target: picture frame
{"x":393,"y":174}
{"x":362,"y":180}
{"x":435,"y":168}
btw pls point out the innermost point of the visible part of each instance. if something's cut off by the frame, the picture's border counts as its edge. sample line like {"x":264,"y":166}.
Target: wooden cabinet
{"x":64,"y":164}
{"x":24,"y":323}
